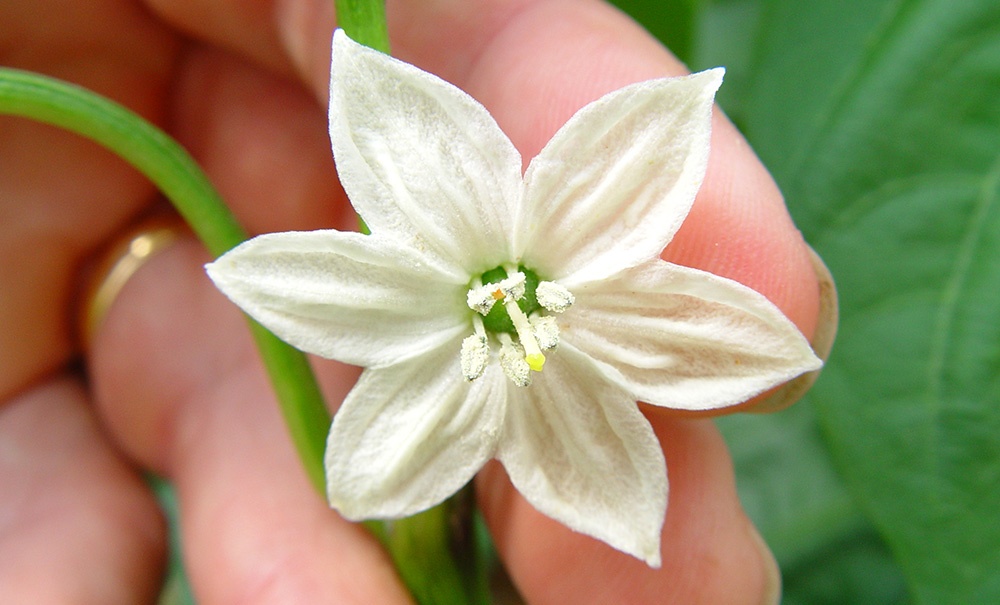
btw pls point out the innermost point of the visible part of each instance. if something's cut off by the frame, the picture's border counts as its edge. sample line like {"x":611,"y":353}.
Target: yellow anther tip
{"x":535,"y":361}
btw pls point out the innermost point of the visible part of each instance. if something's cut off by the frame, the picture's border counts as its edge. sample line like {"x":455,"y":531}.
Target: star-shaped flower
{"x":509,"y":317}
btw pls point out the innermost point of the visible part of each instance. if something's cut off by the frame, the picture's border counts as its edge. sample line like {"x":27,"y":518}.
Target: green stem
{"x":364,"y":22}
{"x":437,"y":556}
{"x":178,"y":176}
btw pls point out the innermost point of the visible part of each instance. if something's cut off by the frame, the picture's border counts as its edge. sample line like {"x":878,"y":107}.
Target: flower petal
{"x":683,"y":338}
{"x":614,"y":184}
{"x":410,"y":435}
{"x":345,"y":296}
{"x":421,"y":159}
{"x":578,"y":449}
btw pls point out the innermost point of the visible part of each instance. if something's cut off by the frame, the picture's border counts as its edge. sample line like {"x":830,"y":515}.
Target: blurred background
{"x":880,"y":121}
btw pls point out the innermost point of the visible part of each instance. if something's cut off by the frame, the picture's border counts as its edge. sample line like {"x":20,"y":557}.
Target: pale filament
{"x":532,"y":352}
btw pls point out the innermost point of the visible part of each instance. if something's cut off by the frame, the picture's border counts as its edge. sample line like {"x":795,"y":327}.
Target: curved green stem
{"x":436,"y":572}
{"x":364,"y":22}
{"x":178,"y":176}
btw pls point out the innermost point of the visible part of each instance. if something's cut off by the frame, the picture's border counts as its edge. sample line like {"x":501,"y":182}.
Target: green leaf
{"x":672,"y":21}
{"x":855,"y":569}
{"x":726,"y":37}
{"x":827,"y":550}
{"x":881,"y":122}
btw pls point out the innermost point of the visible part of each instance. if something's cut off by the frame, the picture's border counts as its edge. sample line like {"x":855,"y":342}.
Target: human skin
{"x":171,"y":383}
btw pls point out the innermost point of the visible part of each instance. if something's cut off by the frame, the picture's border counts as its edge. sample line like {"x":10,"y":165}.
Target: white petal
{"x":579,"y":450}
{"x":614,"y":184}
{"x":346,"y":296}
{"x":683,"y":338}
{"x":421,"y":159}
{"x":410,"y":435}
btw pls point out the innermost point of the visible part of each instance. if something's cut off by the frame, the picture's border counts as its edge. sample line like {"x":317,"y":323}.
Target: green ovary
{"x":497,"y":320}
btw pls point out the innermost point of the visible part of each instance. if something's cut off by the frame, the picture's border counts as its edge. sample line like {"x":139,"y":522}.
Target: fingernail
{"x":772,"y":578}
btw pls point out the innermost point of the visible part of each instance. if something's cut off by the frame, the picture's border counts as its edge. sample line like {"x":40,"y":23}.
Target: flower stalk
{"x":364,"y":21}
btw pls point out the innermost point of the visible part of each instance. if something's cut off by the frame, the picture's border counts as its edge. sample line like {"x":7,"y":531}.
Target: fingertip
{"x":76,"y":523}
{"x":710,"y":551}
{"x":740,"y":228}
{"x":262,"y":140}
{"x":552,"y":58}
{"x":771,"y":592}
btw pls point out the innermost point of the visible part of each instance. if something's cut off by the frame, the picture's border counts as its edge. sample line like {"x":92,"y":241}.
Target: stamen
{"x":554,"y":297}
{"x":533,"y":354}
{"x":512,"y":361}
{"x":546,"y":331}
{"x":475,"y":351}
{"x":477,"y":325}
{"x":480,"y":299}
{"x":475,"y":356}
{"x":513,"y":287}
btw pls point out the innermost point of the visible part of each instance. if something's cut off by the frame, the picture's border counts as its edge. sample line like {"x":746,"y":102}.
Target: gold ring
{"x":122,"y":259}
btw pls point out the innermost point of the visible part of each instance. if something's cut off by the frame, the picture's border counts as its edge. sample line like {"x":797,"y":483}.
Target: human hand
{"x":177,"y":386}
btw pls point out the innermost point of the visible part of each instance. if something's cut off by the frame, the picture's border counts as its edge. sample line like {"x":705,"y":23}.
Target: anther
{"x":475,"y":356}
{"x":512,"y":288}
{"x":513,"y":363}
{"x":554,"y":297}
{"x":546,"y":331}
{"x":481,"y":298}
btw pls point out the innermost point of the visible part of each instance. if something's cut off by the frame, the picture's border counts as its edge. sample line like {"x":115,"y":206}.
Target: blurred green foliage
{"x":880,"y":120}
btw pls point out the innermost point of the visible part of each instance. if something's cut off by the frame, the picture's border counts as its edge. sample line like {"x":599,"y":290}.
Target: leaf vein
{"x":944,"y":322}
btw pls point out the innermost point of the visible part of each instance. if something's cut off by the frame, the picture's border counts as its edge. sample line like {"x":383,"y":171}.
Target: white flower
{"x":507,"y":317}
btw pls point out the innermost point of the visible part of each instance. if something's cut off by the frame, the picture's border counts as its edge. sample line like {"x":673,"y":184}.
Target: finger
{"x":711,"y":552}
{"x":51,"y":181}
{"x":242,"y":27}
{"x":263,"y":141}
{"x":182,"y":391}
{"x":76,"y":524}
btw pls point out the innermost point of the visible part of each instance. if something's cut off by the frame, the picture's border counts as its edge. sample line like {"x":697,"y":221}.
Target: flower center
{"x":511,"y":305}
{"x":498,"y":320}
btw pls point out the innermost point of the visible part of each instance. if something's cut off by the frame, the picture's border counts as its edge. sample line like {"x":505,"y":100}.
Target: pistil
{"x":532,"y":352}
